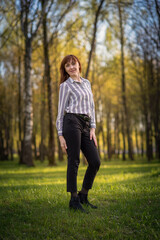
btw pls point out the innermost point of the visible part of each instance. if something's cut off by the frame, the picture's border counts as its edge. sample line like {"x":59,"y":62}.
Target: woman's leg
{"x":90,"y":151}
{"x":72,"y":135}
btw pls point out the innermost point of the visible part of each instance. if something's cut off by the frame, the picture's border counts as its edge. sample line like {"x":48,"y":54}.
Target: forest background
{"x":118,"y":44}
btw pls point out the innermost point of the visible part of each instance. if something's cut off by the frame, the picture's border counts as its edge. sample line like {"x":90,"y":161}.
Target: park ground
{"x":34,"y":202}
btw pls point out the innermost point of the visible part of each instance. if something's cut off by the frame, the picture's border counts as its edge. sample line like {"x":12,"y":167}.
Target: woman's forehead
{"x":71,"y":60}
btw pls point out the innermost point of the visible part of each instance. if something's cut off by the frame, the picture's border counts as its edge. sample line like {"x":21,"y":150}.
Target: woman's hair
{"x":64,"y":74}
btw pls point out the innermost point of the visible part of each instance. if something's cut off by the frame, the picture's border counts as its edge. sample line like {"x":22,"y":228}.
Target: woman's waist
{"x":83,"y":116}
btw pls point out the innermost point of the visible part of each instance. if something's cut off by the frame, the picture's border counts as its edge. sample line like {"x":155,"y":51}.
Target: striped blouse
{"x":75,"y":97}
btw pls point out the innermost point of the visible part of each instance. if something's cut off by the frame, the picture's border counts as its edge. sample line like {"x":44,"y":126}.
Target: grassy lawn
{"x":34,"y":203}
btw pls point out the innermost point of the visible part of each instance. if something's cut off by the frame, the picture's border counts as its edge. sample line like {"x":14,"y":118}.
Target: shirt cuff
{"x":93,"y":125}
{"x":60,"y":133}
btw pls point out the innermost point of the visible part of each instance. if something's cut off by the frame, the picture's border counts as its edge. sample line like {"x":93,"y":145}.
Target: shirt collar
{"x":73,"y":81}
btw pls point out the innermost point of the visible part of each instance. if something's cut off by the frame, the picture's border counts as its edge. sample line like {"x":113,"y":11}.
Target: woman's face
{"x":72,"y":68}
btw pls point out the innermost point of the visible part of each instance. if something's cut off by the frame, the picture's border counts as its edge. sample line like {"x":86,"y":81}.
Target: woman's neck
{"x":76,"y":77}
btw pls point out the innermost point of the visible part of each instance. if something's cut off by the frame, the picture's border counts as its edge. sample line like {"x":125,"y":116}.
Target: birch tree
{"x":30,"y":21}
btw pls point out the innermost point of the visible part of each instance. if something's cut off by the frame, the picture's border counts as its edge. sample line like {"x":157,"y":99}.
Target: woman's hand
{"x":63,"y":143}
{"x":92,"y":135}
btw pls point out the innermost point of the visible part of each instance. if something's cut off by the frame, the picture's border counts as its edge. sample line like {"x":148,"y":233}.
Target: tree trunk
{"x":157,"y":111}
{"x":42,"y":114}
{"x":136,"y":137}
{"x":93,"y":37}
{"x":142,"y":144}
{"x":124,"y":100}
{"x":104,"y":142}
{"x":148,"y":137}
{"x":60,"y":153}
{"x":28,"y":111}
{"x":109,"y":136}
{"x":123,"y":137}
{"x":28,"y":23}
{"x":116,"y":135}
{"x":11,"y":149}
{"x":19,"y":110}
{"x":148,"y":114}
{"x":2,"y":150}
{"x":7,"y":140}
{"x":35,"y":146}
{"x":118,"y":144}
{"x":51,"y":154}
{"x":158,"y":14}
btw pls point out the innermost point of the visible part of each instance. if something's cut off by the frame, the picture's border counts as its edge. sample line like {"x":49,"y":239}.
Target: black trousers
{"x":76,"y":132}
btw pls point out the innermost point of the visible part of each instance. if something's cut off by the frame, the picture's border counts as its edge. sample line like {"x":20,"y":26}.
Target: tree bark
{"x":104,"y":142}
{"x":28,"y":111}
{"x":116,"y":135}
{"x":47,"y":74}
{"x":35,"y":146}
{"x":42,"y":114}
{"x":148,"y":137}
{"x":19,"y":110}
{"x":94,"y":36}
{"x":142,"y":144}
{"x":158,"y":14}
{"x":60,"y":153}
{"x":109,"y":136}
{"x":136,"y":137}
{"x":123,"y":137}
{"x":157,"y":110}
{"x":2,"y":150}
{"x":124,"y":100}
{"x":26,"y":25}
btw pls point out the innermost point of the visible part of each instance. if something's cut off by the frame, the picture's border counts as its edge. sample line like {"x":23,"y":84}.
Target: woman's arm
{"x":63,"y":143}
{"x":93,"y":135}
{"x":93,"y":121}
{"x":63,"y":101}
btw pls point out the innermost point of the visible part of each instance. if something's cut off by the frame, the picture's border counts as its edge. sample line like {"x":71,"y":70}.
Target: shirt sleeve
{"x":93,"y":119}
{"x":62,"y":104}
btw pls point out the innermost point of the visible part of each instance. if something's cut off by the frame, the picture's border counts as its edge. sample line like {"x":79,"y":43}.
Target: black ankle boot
{"x":84,"y":200}
{"x":75,"y":204}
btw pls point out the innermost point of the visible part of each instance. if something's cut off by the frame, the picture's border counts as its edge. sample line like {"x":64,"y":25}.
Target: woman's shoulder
{"x":63,"y":84}
{"x":86,"y":80}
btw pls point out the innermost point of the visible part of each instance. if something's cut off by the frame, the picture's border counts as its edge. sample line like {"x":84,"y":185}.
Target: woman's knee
{"x":95,"y":164}
{"x":73,"y":164}
{"x":98,"y":163}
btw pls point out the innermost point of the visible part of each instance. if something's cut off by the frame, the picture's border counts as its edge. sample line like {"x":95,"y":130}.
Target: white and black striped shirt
{"x":75,"y":97}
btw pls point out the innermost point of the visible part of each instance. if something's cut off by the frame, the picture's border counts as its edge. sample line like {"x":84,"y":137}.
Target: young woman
{"x":76,"y":129}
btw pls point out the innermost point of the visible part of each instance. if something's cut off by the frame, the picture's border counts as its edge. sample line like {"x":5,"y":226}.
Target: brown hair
{"x":64,"y":74}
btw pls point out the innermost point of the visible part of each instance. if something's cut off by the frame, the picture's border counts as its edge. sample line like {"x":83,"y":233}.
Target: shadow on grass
{"x":48,"y":217}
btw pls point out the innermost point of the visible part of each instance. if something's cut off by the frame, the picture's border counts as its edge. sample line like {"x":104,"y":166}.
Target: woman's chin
{"x":75,"y":74}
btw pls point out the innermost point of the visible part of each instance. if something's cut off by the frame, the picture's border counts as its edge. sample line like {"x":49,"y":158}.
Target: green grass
{"x":34,"y":203}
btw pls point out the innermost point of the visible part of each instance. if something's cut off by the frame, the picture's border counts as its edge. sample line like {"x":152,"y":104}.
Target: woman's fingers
{"x":92,"y":135}
{"x":63,"y":144}
{"x":63,"y":149}
{"x":95,"y":140}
